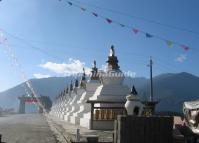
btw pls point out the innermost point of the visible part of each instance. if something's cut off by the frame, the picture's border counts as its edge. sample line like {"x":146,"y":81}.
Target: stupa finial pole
{"x":94,"y":64}
{"x":112,"y":51}
{"x":112,"y":60}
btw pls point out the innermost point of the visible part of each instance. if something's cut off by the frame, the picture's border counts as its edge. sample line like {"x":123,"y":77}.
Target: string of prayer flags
{"x":135,"y":30}
{"x":109,"y":20}
{"x":169,"y":43}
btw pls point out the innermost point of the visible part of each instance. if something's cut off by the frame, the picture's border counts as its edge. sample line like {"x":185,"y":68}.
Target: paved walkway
{"x":25,"y":128}
{"x":69,"y":130}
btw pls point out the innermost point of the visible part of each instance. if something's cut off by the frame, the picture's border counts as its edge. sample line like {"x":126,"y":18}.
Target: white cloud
{"x":73,"y":66}
{"x":181,"y":58}
{"x":38,"y":75}
{"x":103,"y":67}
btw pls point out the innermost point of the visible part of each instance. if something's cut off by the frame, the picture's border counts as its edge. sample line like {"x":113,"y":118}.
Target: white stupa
{"x":60,"y":103}
{"x":133,"y":104}
{"x":111,"y":89}
{"x":73,"y":106}
{"x":66,"y":102}
{"x":91,"y":86}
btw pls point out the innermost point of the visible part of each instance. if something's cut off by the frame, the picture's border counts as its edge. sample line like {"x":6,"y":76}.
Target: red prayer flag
{"x":135,"y":30}
{"x":109,"y":20}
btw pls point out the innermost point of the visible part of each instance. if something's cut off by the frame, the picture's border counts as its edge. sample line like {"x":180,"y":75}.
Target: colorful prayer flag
{"x":122,"y":25}
{"x":148,"y":35}
{"x":95,"y":14}
{"x":169,"y":43}
{"x":186,"y":48}
{"x":83,"y":9}
{"x":135,"y":30}
{"x":109,"y":20}
{"x":70,"y":3}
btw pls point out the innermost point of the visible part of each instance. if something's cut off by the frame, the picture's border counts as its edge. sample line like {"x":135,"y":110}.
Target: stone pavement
{"x":69,"y":130}
{"x":25,"y":128}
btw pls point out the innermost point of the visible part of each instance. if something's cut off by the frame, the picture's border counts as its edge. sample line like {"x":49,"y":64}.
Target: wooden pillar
{"x":92,"y":115}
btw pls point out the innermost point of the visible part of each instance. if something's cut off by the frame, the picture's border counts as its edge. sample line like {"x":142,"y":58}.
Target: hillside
{"x":170,"y":89}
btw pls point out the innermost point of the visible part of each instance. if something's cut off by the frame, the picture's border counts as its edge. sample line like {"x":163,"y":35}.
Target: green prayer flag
{"x":169,"y":43}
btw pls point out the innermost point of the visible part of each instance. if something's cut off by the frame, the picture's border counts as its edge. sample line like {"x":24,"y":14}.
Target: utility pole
{"x":150,"y":105}
{"x":151,"y":78}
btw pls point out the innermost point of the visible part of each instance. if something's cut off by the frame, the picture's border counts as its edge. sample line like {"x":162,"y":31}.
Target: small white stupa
{"x":133,"y":104}
{"x":91,"y":86}
{"x":65,"y":107}
{"x":60,"y":103}
{"x":64,"y":98}
{"x":73,"y":106}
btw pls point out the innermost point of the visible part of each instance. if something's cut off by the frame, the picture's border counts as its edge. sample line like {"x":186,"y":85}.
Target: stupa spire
{"x":83,"y":79}
{"x":133,"y":90}
{"x":71,"y":86}
{"x":67,"y":89}
{"x":84,"y":75}
{"x":112,"y":60}
{"x":94,"y":72}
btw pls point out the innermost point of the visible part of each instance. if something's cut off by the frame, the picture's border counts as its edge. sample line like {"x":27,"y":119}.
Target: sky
{"x":52,"y":38}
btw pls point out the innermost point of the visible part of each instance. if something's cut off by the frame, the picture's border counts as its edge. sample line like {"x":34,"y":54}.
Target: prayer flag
{"x":83,"y":9}
{"x":95,"y":14}
{"x":169,"y":43}
{"x":122,"y":25}
{"x":70,"y":3}
{"x":186,"y":48}
{"x":135,"y":30}
{"x":109,"y":20}
{"x":148,"y":35}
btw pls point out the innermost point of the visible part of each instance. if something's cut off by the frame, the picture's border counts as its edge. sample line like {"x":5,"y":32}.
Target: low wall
{"x":132,"y":129}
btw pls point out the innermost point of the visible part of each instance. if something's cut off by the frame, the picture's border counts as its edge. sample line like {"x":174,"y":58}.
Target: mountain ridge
{"x":171,"y":89}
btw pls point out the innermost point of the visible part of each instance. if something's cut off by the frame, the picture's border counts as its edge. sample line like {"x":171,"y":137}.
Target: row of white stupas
{"x":107,"y":86}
